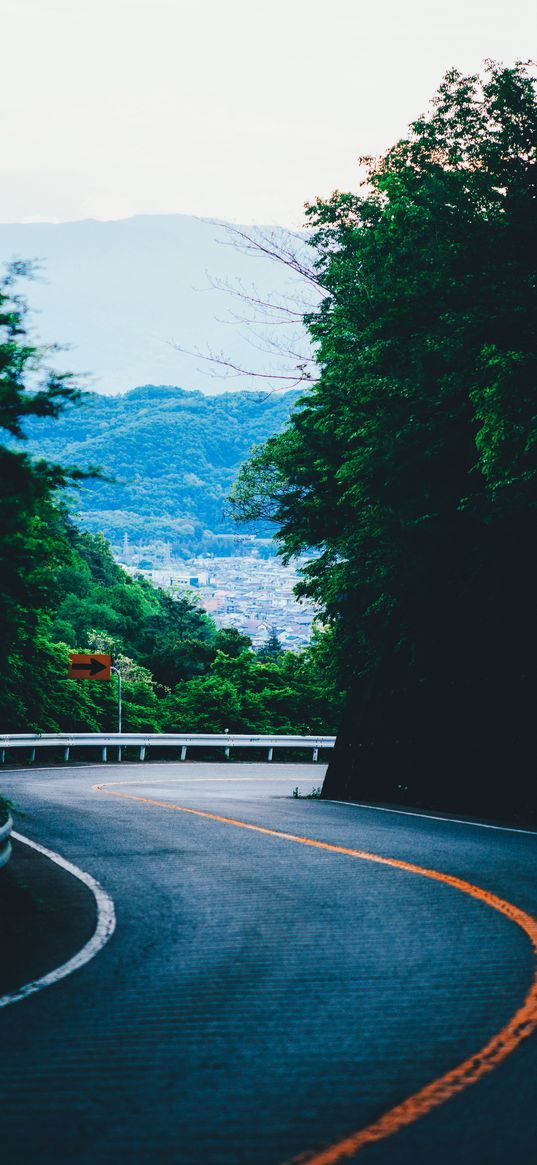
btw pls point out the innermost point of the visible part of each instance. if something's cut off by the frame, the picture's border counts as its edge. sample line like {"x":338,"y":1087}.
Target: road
{"x":264,"y":998}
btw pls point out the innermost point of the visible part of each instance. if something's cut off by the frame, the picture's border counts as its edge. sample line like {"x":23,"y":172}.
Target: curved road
{"x":262,"y":999}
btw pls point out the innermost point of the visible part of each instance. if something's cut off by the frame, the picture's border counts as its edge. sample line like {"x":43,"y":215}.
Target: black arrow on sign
{"x":93,"y":667}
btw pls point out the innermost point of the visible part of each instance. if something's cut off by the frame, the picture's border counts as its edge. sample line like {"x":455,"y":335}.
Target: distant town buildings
{"x":251,"y":593}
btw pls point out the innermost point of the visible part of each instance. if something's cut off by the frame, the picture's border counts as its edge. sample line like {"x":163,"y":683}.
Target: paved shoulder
{"x":46,"y":915}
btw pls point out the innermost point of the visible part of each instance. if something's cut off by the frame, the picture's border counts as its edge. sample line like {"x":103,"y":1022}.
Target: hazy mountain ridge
{"x":172,"y":454}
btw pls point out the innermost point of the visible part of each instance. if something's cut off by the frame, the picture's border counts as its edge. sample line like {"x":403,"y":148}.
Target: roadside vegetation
{"x":5,"y":810}
{"x":410,"y":467}
{"x":61,"y":590}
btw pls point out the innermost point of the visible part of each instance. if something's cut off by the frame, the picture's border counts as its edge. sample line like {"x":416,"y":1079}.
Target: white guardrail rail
{"x":183,"y":741}
{"x":5,"y":841}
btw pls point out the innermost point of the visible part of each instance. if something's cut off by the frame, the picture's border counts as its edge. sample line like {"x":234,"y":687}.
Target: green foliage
{"x":20,"y":360}
{"x":6,"y":807}
{"x":32,"y":540}
{"x":168,"y":457}
{"x":410,"y":468}
{"x":271,"y":648}
{"x":231,"y":642}
{"x":244,"y":693}
{"x":62,"y":590}
{"x":178,"y":672}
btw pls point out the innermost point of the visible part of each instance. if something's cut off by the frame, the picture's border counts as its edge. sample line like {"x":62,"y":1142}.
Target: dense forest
{"x":167,"y":457}
{"x":179,"y":672}
{"x":61,"y":590}
{"x":411,"y":465}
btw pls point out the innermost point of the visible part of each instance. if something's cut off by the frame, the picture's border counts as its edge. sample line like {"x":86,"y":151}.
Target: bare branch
{"x":236,"y":369}
{"x":267,"y":343}
{"x":292,"y":314}
{"x":287,"y":311}
{"x":272,"y":246}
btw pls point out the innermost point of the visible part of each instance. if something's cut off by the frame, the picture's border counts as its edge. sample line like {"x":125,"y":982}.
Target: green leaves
{"x":408,"y":473}
{"x":282,"y":692}
{"x":27,"y":387}
{"x":61,"y":589}
{"x":168,"y":457}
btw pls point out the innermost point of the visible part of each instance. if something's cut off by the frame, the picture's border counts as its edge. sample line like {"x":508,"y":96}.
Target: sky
{"x":230,"y":108}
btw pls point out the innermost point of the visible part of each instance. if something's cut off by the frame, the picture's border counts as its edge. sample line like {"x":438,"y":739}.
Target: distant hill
{"x":121,"y":293}
{"x":173,"y":454}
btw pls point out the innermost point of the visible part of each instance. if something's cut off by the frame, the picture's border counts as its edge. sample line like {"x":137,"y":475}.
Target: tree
{"x":32,"y":536}
{"x":272,"y":647}
{"x":61,"y":590}
{"x":286,"y":692}
{"x":231,"y":642}
{"x":178,"y":641}
{"x":409,"y":469}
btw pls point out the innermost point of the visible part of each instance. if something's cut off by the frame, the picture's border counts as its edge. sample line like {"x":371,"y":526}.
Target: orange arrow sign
{"x":89,"y":667}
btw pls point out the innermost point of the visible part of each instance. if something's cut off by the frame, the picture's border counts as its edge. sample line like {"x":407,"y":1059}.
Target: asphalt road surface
{"x":263,"y":1000}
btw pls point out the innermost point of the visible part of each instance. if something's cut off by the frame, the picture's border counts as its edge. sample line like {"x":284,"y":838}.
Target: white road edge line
{"x":106,"y":925}
{"x":431,"y":817}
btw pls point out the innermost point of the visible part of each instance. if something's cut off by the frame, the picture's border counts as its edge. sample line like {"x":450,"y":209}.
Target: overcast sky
{"x":232,"y":108}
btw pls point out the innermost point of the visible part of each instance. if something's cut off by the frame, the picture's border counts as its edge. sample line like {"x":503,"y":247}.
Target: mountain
{"x":170,"y":456}
{"x":121,"y":293}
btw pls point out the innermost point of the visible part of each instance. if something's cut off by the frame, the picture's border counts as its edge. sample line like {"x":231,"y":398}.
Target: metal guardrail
{"x":31,"y":742}
{"x":5,"y":842}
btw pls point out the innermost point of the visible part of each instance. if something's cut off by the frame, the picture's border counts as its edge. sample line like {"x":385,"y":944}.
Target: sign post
{"x":96,"y":666}
{"x":117,"y":672}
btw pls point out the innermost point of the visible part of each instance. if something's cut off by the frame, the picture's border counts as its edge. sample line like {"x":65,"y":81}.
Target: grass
{"x":313,"y":796}
{"x":5,"y":809}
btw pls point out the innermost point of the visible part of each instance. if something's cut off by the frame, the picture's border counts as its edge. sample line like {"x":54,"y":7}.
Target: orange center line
{"x":521,"y":1025}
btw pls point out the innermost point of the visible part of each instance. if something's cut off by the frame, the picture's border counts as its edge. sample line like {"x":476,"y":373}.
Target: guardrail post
{"x":142,"y":752}
{"x":2,"y":755}
{"x":32,"y":755}
{"x":183,"y":752}
{"x":66,"y":752}
{"x":269,"y":754}
{"x":103,"y":752}
{"x":315,"y":754}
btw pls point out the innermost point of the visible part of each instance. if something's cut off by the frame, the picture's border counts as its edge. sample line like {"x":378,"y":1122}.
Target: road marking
{"x":329,"y":801}
{"x":521,"y":1025}
{"x":106,"y":924}
{"x":428,"y":816}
